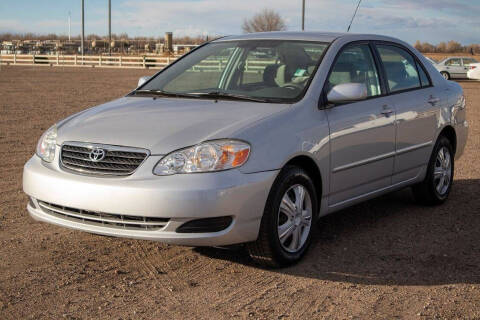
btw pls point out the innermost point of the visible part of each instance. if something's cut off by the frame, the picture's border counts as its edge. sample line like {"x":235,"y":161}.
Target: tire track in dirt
{"x":154,"y":274}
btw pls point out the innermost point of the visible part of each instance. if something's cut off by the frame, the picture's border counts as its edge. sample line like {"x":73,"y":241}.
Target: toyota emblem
{"x":97,"y":154}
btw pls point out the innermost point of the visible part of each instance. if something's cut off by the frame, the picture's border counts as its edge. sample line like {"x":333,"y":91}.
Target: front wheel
{"x":288,"y":219}
{"x":438,"y":181}
{"x":446,"y":75}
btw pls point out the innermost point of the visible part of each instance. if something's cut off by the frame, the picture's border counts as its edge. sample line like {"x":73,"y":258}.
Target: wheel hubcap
{"x":294,"y":218}
{"x":442,"y":174}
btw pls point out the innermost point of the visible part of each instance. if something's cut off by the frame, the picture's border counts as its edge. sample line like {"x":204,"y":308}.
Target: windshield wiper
{"x":163,"y":93}
{"x":211,"y":94}
{"x":233,"y":96}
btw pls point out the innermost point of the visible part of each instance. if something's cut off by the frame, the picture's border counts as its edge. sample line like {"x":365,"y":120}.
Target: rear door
{"x":417,"y":104}
{"x":362,"y":133}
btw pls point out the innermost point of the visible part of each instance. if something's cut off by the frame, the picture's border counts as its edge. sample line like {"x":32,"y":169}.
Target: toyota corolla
{"x":250,"y":139}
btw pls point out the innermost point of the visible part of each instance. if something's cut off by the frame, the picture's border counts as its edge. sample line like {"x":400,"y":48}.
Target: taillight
{"x":472,"y":67}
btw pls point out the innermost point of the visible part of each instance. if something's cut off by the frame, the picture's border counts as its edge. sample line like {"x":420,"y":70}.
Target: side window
{"x":454,"y":62}
{"x":468,"y":61}
{"x":400,"y":68}
{"x":423,"y":76}
{"x":355,"y":64}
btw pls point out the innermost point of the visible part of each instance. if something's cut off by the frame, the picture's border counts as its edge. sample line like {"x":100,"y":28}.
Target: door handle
{"x":386,"y":111}
{"x":433,"y":101}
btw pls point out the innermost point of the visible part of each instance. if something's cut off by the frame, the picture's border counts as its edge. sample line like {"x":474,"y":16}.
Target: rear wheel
{"x":438,"y":181}
{"x":287,"y":222}
{"x":445,"y":74}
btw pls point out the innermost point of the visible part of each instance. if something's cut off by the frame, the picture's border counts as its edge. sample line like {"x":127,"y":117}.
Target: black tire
{"x":426,"y":192}
{"x":446,"y":75}
{"x":267,"y":249}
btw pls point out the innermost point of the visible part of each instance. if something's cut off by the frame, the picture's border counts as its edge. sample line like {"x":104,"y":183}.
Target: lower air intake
{"x":205,"y":225}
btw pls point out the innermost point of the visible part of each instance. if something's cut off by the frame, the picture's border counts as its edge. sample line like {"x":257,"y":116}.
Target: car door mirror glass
{"x":347,"y":92}
{"x":142,"y":80}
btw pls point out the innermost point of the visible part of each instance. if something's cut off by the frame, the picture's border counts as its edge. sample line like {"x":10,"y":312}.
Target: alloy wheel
{"x":442,"y":174}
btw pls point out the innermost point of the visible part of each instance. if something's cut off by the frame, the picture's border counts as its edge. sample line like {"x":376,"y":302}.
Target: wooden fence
{"x":143,"y":62}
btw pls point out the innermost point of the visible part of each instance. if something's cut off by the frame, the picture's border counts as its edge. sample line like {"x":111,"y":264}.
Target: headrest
{"x":269,"y":75}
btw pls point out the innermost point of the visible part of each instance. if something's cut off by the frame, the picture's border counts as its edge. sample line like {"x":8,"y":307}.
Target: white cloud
{"x":426,"y":20}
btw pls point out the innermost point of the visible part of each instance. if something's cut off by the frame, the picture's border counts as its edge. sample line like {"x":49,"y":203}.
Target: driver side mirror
{"x":347,"y":92}
{"x":142,"y":80}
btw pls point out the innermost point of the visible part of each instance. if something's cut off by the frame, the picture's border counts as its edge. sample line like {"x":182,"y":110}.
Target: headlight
{"x":46,"y":145}
{"x":206,"y":157}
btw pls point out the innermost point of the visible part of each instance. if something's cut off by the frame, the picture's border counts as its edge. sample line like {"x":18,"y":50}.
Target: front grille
{"x":120,"y":161}
{"x":120,"y":221}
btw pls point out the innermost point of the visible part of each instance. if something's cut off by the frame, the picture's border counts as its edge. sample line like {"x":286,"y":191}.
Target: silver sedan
{"x":455,"y":67}
{"x":251,"y":139}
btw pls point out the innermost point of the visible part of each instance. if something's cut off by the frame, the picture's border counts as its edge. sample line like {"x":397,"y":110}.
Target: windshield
{"x":268,"y":70}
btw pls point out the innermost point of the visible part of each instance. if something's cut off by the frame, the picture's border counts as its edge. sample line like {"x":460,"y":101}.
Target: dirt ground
{"x":386,"y":258}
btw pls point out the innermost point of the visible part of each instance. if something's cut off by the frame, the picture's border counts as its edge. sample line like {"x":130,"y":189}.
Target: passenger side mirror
{"x":347,"y":92}
{"x":142,"y":80}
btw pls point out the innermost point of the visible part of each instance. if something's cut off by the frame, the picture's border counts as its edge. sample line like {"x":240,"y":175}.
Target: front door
{"x":362,"y":133}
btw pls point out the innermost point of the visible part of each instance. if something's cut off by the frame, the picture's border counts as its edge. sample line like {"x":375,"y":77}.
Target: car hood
{"x":163,"y":124}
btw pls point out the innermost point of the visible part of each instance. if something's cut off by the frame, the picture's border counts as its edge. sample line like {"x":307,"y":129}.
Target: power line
{"x":354,"y":14}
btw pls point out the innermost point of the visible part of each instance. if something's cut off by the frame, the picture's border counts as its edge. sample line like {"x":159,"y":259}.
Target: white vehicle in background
{"x":474,"y":71}
{"x":455,"y":67}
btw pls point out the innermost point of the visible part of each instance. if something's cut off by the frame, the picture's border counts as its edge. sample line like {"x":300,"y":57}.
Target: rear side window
{"x":423,"y":76}
{"x":400,"y":68}
{"x":355,"y":64}
{"x":468,"y":61}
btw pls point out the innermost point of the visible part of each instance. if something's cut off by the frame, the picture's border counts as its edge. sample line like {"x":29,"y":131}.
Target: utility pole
{"x":110,"y":27}
{"x":69,"y":25}
{"x":83,"y":28}
{"x":303,"y":15}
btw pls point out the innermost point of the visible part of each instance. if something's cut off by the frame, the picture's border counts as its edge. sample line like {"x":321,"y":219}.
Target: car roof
{"x":305,"y":36}
{"x":457,"y":57}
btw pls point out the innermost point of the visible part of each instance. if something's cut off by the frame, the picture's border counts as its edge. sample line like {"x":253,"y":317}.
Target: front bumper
{"x":180,"y":198}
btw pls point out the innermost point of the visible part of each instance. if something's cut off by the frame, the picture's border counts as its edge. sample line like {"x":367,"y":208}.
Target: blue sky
{"x":425,"y":20}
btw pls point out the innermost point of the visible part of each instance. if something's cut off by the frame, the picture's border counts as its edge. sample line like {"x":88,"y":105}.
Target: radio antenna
{"x":354,"y":14}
